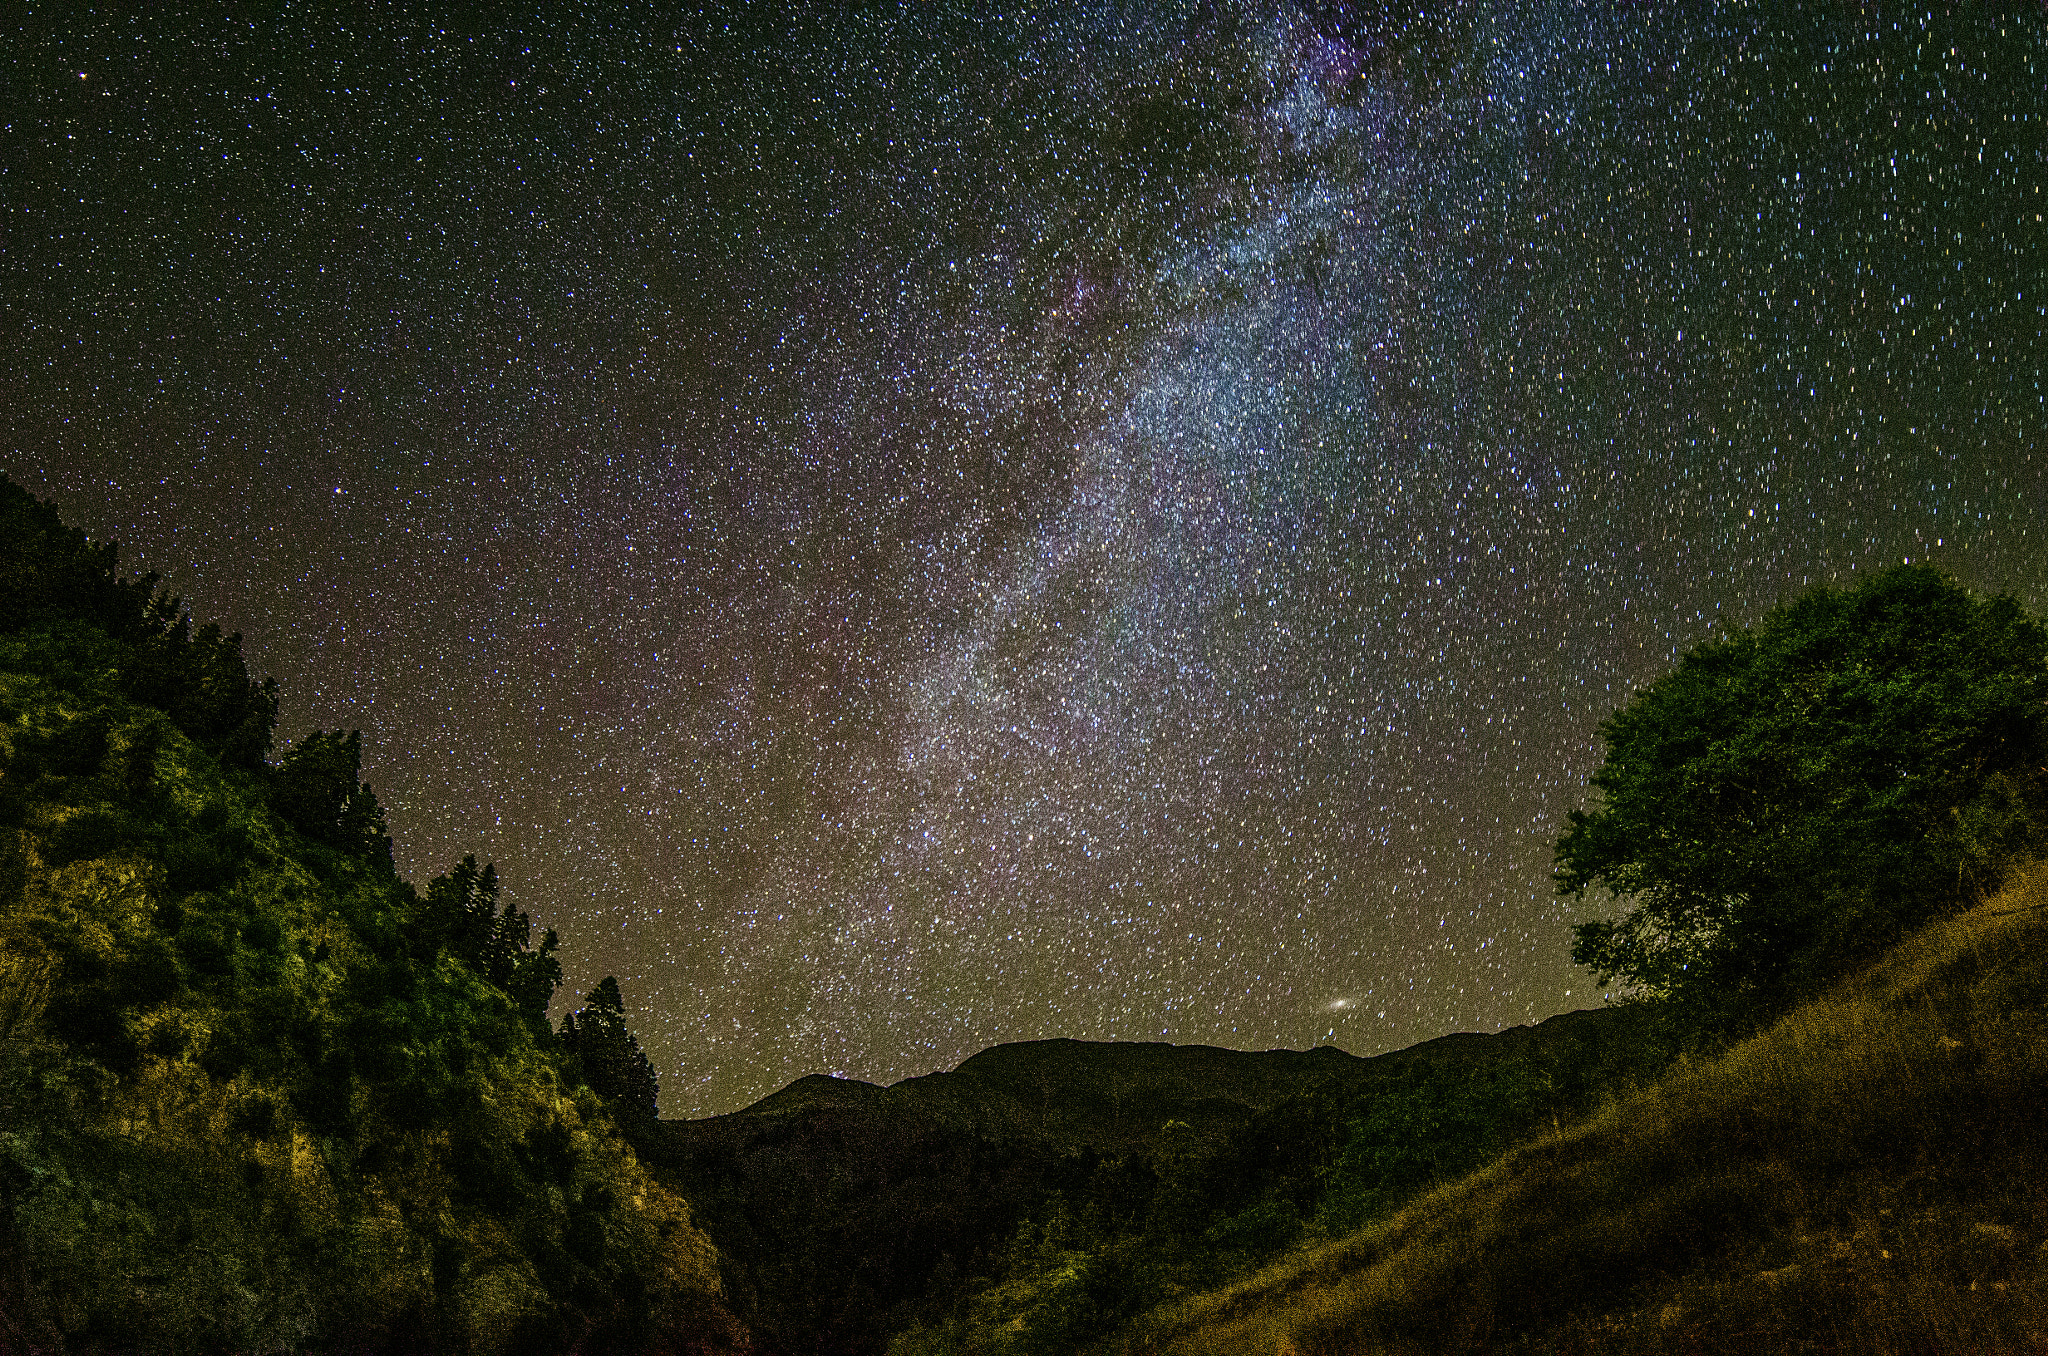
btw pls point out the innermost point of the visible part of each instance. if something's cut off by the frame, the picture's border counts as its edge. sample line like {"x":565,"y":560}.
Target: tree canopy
{"x":612,"y":1063}
{"x":1793,"y":797}
{"x":315,"y":791}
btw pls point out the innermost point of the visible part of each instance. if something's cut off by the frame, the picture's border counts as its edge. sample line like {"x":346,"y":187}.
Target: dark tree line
{"x":52,"y":578}
{"x":463,"y":915}
{"x":611,"y":1060}
{"x":315,"y":790}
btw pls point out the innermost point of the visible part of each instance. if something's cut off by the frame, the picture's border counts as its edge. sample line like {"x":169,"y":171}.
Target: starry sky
{"x":900,"y":528}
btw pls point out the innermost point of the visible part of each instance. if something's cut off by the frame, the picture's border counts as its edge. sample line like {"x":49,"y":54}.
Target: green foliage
{"x":316,"y":792}
{"x":54,"y":583}
{"x":1792,"y":799}
{"x":1127,"y":1235}
{"x":463,"y":915}
{"x":255,"y":1093}
{"x":1425,"y":1128}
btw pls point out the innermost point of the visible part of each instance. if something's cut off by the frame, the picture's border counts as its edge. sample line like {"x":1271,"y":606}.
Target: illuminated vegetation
{"x":256,"y":1093}
{"x":259,"y":1093}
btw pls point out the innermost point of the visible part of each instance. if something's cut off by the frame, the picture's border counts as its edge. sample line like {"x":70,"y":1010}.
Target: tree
{"x":462,"y":915}
{"x":50,"y":573}
{"x":612,"y":1062}
{"x":315,"y":791}
{"x":1790,"y":799}
{"x":52,"y":577}
{"x":266,"y":980}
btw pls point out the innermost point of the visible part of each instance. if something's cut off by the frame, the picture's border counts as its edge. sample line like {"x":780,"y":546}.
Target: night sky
{"x":910,"y":530}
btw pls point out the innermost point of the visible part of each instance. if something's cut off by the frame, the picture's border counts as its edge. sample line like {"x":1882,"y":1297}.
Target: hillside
{"x":846,"y":1212}
{"x":1864,"y":1175}
{"x":1860,"y":1175}
{"x":256,"y":1092}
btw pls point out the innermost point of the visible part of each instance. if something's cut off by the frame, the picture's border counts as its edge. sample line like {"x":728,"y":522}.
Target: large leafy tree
{"x":1793,"y":797}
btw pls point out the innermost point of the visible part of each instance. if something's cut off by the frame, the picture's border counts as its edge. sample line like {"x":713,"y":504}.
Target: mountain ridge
{"x":822,"y":1089}
{"x":842,"y":1206}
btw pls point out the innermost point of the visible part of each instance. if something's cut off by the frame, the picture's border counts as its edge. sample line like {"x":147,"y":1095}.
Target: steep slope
{"x":1864,"y":1175}
{"x":256,"y":1093}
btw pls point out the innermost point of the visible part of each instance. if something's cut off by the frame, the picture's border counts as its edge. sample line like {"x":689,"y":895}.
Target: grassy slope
{"x":212,"y":1060}
{"x":1865,"y":1176}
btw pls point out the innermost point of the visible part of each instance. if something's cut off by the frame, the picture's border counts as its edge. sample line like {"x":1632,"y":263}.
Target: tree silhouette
{"x":315,"y":791}
{"x":1792,"y":798}
{"x":613,"y":1065}
{"x":463,"y":916}
{"x":52,"y":578}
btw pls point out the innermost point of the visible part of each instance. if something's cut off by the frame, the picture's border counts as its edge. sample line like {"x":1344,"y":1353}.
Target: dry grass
{"x":1864,"y":1176}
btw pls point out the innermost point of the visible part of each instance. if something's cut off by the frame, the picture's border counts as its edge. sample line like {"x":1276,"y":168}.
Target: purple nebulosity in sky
{"x":908,"y":530}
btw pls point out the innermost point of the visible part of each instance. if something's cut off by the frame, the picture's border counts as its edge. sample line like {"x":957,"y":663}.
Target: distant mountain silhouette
{"x":844,"y":1210}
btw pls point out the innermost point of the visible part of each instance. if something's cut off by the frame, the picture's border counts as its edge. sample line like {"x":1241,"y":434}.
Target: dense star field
{"x":912,"y":530}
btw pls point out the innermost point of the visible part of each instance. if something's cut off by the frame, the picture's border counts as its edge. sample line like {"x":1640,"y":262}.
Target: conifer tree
{"x":315,"y":791}
{"x":52,"y":578}
{"x":612,"y":1062}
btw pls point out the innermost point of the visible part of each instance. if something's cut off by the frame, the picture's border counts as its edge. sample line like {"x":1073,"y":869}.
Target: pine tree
{"x":612,"y":1062}
{"x":315,"y":791}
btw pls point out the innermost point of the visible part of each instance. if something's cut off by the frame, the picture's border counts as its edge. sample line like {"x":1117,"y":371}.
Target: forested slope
{"x":1050,"y":1190}
{"x":256,"y":1091}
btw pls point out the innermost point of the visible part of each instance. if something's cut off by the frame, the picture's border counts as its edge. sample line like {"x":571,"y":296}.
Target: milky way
{"x":913,"y":530}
